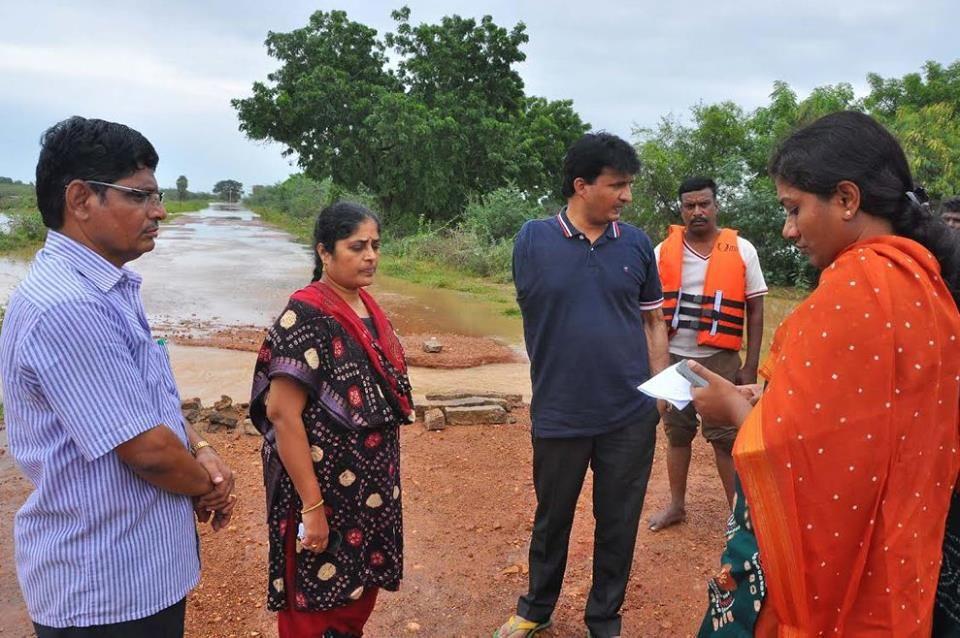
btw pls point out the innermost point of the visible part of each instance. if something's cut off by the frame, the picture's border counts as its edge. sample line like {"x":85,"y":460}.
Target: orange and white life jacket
{"x":723,"y":302}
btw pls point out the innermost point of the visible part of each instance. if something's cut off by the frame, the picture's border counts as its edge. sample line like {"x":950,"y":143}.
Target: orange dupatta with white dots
{"x":849,"y":460}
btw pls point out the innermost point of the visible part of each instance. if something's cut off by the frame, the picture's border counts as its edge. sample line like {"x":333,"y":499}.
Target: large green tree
{"x":446,"y":118}
{"x":229,"y":189}
{"x":923,"y":109}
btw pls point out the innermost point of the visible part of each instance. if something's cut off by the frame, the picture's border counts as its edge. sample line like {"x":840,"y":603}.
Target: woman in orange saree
{"x":849,"y":460}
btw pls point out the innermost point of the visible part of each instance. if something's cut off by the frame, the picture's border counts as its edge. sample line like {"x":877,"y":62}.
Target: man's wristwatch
{"x":199,"y":445}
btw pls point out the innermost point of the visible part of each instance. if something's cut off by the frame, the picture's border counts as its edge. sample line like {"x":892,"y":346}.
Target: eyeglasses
{"x":155,"y":198}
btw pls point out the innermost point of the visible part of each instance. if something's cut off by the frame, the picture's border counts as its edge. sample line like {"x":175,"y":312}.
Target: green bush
{"x":303,"y":198}
{"x":457,"y":248}
{"x":15,"y":195}
{"x":25,"y":229}
{"x":500,"y":214}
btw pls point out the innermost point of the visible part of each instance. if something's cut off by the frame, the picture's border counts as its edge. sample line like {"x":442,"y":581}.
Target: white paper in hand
{"x":669,"y":386}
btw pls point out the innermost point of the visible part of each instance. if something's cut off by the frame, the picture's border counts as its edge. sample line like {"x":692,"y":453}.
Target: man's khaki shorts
{"x":681,"y":425}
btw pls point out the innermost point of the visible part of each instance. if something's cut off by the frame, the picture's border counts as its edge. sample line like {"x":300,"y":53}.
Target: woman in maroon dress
{"x":330,"y":391}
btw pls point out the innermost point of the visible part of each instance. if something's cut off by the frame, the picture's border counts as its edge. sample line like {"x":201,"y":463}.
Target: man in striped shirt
{"x":106,"y":545}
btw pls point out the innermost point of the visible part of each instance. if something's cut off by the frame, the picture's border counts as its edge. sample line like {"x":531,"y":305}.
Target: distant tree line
{"x":182,"y":194}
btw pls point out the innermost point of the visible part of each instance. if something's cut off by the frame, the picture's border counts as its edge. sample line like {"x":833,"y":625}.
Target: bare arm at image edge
{"x":655,"y":330}
{"x":748,"y":373}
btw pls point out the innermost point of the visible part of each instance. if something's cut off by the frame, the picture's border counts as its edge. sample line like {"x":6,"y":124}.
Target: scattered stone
{"x":191,"y":404}
{"x":432,"y":346}
{"x":413,"y":626}
{"x":191,"y":415}
{"x":476,"y":415}
{"x":229,"y":420}
{"x":248,"y":428}
{"x":513,"y":400}
{"x":434,"y":419}
{"x":224,"y":403}
{"x":465,"y":402}
{"x":213,"y":428}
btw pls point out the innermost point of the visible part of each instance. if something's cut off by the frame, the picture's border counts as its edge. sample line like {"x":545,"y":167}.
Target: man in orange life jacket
{"x":712,"y":286}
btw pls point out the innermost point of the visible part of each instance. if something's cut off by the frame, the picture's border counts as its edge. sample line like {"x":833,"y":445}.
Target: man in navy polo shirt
{"x":589,"y":292}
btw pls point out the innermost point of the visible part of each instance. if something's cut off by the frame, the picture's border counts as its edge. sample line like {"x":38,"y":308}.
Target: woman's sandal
{"x":517,"y":627}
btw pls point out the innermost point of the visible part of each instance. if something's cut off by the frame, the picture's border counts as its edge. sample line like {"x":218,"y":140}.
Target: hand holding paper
{"x":673,"y":385}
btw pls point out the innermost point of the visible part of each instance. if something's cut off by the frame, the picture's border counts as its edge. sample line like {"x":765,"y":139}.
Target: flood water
{"x":226,"y":267}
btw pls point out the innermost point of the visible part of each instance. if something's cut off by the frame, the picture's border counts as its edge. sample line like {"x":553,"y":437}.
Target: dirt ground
{"x":468,"y":509}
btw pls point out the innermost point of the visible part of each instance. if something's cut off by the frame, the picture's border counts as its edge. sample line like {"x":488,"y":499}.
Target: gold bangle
{"x":199,"y":445}
{"x":312,"y":507}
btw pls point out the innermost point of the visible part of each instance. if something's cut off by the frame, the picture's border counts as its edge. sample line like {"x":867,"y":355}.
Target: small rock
{"x":476,"y":415}
{"x":432,"y":346}
{"x":463,"y":402}
{"x":512,"y":569}
{"x":512,"y":400}
{"x":433,"y":419}
{"x":228,"y":419}
{"x":191,"y":404}
{"x":213,"y":428}
{"x":224,"y":403}
{"x":191,"y":415}
{"x":413,"y":626}
{"x":248,"y":428}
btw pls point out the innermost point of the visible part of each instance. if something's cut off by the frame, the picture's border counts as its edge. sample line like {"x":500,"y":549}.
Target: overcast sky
{"x":170,"y":69}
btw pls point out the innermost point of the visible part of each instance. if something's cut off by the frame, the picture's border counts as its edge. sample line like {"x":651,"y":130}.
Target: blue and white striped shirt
{"x":95,"y":544}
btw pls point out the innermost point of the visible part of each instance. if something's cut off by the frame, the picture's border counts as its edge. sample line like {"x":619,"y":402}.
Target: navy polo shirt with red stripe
{"x":581,"y":305}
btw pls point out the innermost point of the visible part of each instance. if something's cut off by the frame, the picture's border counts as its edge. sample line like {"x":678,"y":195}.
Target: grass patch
{"x":300,"y":227}
{"x":24,"y":234}
{"x":434,"y":275}
{"x":175,"y":208}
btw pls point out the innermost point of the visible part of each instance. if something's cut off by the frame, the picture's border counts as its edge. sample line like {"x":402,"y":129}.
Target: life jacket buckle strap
{"x":717,"y":300}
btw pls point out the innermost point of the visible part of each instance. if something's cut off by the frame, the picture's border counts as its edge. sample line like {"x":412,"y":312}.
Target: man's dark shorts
{"x":681,"y":425}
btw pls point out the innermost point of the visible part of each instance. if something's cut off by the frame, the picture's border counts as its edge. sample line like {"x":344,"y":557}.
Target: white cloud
{"x":101,"y":72}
